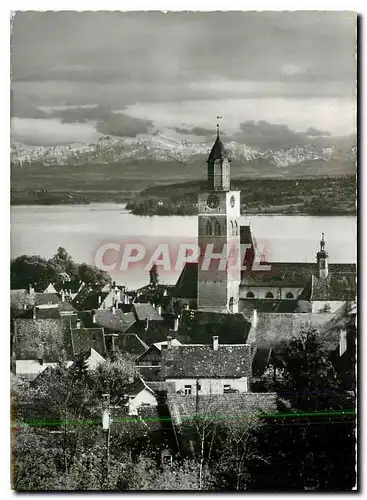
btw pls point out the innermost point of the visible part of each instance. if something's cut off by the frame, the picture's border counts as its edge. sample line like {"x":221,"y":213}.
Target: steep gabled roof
{"x":117,"y":321}
{"x":229,"y":409}
{"x":144,"y":311}
{"x":86,"y":338}
{"x":218,"y":152}
{"x":186,"y":286}
{"x":228,"y":361}
{"x":200,"y":326}
{"x":20,"y":298}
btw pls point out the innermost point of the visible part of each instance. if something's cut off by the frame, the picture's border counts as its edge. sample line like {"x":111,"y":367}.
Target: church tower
{"x":219,"y":266}
{"x":322,"y":259}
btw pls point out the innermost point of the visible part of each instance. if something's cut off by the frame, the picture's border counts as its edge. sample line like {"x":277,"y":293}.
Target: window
{"x":226,"y":388}
{"x":231,"y":303}
{"x":188,"y":390}
{"x":250,"y":295}
{"x":289,"y":295}
{"x":235,"y":228}
{"x":198,"y":386}
{"x":269,"y":295}
{"x":217,"y":228}
{"x":145,"y":404}
{"x":209,"y":227}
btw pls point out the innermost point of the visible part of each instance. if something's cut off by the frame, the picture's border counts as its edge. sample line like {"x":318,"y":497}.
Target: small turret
{"x":322,"y":259}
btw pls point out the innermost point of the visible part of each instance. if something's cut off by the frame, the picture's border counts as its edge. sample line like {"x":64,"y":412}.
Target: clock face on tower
{"x":212,"y":201}
{"x":232,"y":201}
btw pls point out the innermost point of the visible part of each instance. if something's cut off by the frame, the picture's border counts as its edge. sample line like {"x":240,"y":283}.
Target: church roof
{"x":187,"y":284}
{"x":218,"y":151}
{"x":200,"y":326}
{"x":293,"y":274}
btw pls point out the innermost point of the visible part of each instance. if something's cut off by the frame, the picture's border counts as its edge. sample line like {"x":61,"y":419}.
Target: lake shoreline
{"x":117,"y":204}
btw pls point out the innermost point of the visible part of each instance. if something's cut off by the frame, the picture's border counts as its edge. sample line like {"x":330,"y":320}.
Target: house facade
{"x":201,"y":369}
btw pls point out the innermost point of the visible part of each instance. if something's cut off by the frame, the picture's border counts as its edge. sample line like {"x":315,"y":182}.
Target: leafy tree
{"x":313,"y":445}
{"x":31,"y":270}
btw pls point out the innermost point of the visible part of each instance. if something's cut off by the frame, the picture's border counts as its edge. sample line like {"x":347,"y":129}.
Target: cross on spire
{"x":218,"y":118}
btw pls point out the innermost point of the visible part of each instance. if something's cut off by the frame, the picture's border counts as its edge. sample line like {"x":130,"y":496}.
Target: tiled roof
{"x":117,"y":321}
{"x":146,"y":311}
{"x":186,"y":286}
{"x":131,"y":343}
{"x":200,"y":326}
{"x":227,"y":409}
{"x":151,"y":373}
{"x":192,"y":361}
{"x":272,"y":329}
{"x":30,"y":333}
{"x":20,"y":298}
{"x":46,"y":298}
{"x":334,"y":287}
{"x":86,"y":338}
{"x":294,"y":274}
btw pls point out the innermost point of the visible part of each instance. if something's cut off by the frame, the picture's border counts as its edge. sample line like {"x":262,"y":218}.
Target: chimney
{"x":93,"y":316}
{"x":62,"y":296}
{"x":146,"y":324}
{"x":165,"y":292}
{"x":175,"y":324}
{"x":99,"y":300}
{"x":113,"y":345}
{"x":78,"y":324}
{"x":34,"y":312}
{"x":254,"y":319}
{"x":113,"y":309}
{"x":30,"y":290}
{"x":215,"y":342}
{"x":159,"y":309}
{"x":169,"y":342}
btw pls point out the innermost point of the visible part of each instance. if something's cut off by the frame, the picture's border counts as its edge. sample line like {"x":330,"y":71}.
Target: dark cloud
{"x":314,"y":132}
{"x":123,"y":125}
{"x":200,"y":131}
{"x":312,"y":50}
{"x":267,"y":135}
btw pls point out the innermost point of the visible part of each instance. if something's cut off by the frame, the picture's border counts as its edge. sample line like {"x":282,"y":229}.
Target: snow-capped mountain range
{"x":160,"y":148}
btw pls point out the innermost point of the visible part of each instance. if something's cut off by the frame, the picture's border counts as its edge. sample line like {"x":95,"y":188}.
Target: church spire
{"x":322,"y":259}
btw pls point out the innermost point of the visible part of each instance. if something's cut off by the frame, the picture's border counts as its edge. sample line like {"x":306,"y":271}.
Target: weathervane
{"x":218,"y":118}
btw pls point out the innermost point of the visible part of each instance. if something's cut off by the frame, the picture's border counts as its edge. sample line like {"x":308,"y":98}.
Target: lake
{"x":83,"y":229}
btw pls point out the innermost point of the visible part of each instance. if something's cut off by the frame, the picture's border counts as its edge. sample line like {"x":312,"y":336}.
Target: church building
{"x":227,"y":279}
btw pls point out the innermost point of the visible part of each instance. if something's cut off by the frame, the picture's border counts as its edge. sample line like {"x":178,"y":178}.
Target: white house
{"x":207,"y":369}
{"x":139,"y":395}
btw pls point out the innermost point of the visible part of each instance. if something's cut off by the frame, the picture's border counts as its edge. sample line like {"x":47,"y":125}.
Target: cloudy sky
{"x":182,"y":69}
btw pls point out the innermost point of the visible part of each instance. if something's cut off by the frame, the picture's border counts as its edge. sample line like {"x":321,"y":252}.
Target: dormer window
{"x":226,"y":389}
